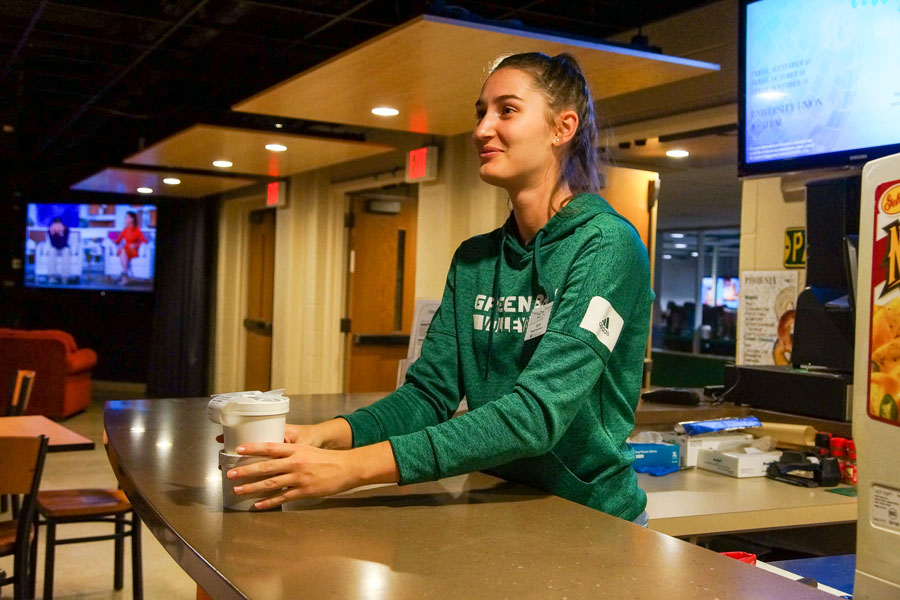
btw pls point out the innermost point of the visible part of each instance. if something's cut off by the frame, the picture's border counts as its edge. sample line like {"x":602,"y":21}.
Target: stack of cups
{"x":246,"y":417}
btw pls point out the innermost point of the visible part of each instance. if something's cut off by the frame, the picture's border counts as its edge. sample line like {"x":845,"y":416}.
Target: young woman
{"x":542,"y":327}
{"x":132,"y":238}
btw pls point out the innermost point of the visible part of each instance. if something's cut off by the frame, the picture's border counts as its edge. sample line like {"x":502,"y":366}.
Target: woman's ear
{"x":566,"y":125}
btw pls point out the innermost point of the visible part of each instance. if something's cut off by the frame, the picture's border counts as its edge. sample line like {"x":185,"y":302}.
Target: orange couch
{"x":62,"y":384}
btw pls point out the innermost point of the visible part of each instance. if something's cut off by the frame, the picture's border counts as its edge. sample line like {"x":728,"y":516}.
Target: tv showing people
{"x":90,"y":246}
{"x":721,"y":291}
{"x":818,"y":87}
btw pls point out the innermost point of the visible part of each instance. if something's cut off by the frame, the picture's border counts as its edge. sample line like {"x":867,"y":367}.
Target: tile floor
{"x":85,"y":571}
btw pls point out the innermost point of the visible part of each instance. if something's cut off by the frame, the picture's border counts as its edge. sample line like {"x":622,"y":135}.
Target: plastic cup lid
{"x":254,"y":404}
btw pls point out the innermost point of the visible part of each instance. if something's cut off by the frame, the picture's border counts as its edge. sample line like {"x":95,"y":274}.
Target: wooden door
{"x":381,"y":291}
{"x":260,"y":292}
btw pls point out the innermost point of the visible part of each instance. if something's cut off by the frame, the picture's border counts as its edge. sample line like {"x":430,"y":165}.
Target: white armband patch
{"x":603,"y":321}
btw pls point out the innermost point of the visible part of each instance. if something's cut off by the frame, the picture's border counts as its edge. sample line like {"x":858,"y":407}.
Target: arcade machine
{"x":876,"y":400}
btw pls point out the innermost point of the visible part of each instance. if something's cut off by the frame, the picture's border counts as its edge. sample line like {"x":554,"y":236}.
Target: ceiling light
{"x":677,"y":153}
{"x":676,"y":236}
{"x":223,"y":164}
{"x":385,"y":111}
{"x":681,"y":246}
{"x":278,"y":125}
{"x":276,"y":147}
{"x":695,"y":254}
{"x":144,"y":190}
{"x":667,"y":256}
{"x":171,"y":181}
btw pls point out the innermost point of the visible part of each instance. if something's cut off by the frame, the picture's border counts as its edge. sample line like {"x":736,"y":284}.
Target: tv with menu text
{"x":819,"y":84}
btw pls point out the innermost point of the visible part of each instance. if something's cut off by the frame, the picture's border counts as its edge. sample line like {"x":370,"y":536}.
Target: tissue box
{"x":691,"y":444}
{"x":655,"y":455}
{"x":736,"y":463}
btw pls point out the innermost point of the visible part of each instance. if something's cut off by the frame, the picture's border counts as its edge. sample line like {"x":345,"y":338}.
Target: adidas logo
{"x":604,"y":326}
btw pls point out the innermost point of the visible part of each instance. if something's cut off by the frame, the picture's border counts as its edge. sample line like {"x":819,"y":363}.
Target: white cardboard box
{"x":691,"y":444}
{"x":736,"y":463}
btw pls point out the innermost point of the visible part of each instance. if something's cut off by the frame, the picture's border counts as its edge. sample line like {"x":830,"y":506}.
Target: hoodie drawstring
{"x":538,"y":266}
{"x":495,"y":298}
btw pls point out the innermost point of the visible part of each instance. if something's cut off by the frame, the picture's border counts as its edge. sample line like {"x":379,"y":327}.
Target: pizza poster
{"x":884,"y":324}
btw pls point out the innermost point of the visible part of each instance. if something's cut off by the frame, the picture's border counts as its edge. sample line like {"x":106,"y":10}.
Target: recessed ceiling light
{"x":385,"y":111}
{"x":144,"y":190}
{"x":223,"y":164}
{"x":667,"y":256}
{"x":681,"y":246}
{"x":695,"y":254}
{"x":677,"y":153}
{"x":276,"y":147}
{"x":278,"y":125}
{"x":676,"y":236}
{"x":171,"y":181}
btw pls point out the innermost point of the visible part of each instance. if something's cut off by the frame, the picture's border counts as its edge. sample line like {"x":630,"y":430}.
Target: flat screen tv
{"x":723,"y":291}
{"x":90,"y":246}
{"x":818,"y":84}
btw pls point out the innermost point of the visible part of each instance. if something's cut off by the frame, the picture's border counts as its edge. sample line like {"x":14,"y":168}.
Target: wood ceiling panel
{"x":198,"y":146}
{"x":126,"y":181}
{"x":431,"y":70}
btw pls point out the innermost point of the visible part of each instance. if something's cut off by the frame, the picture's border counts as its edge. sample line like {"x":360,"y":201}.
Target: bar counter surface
{"x":472,"y":536}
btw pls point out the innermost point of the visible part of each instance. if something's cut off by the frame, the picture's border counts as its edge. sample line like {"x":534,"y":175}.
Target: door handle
{"x":258,"y":326}
{"x":380,"y":339}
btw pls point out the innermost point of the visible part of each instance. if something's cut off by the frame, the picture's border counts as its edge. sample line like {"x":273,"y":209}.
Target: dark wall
{"x":118,"y":326}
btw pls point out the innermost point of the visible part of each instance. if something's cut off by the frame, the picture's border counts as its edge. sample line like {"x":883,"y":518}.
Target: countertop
{"x":472,"y":536}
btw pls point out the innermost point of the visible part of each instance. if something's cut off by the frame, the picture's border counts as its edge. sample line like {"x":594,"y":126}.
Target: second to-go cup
{"x":249,"y":417}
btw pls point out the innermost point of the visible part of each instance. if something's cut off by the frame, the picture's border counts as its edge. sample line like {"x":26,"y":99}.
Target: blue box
{"x":655,"y":455}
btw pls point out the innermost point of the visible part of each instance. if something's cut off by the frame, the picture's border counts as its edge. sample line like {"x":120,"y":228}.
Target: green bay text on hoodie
{"x":553,"y":411}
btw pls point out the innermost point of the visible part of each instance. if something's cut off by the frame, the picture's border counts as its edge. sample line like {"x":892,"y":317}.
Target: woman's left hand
{"x":298,"y":471}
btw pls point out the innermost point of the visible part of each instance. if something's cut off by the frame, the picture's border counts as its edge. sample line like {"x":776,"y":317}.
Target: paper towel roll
{"x":786,"y":433}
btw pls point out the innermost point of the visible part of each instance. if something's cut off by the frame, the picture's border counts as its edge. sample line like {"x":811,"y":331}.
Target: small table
{"x":60,"y":439}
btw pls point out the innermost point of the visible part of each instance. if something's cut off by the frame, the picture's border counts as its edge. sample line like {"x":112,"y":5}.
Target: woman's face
{"x":129,"y":221}
{"x":513,"y":136}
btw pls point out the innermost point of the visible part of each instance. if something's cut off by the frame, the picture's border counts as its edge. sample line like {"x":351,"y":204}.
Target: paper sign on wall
{"x":766,"y":316}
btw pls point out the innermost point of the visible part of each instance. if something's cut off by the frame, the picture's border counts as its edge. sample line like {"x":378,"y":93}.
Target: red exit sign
{"x":421,"y":164}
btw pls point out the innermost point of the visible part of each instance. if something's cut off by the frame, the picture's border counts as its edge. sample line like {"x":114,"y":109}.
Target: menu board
{"x":766,"y":317}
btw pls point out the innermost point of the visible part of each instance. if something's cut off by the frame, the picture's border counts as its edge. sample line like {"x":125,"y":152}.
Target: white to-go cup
{"x":249,"y":417}
{"x":229,"y":498}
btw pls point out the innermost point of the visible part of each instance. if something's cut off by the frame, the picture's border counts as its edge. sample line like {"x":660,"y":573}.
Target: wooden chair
{"x":57,"y":507}
{"x":16,"y":404}
{"x":20,"y":393}
{"x":21,"y":476}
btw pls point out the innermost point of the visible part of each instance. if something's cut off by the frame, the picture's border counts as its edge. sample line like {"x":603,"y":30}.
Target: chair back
{"x":20,"y":471}
{"x":21,"y":392}
{"x":20,"y":474}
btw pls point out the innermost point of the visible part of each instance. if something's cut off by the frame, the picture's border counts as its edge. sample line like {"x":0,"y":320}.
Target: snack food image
{"x":884,"y":379}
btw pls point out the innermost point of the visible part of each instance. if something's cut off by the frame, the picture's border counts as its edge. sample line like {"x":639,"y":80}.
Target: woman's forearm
{"x":374,"y":464}
{"x":335,"y":434}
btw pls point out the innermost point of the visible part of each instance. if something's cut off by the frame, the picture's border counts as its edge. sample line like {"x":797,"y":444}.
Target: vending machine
{"x":876,"y":398}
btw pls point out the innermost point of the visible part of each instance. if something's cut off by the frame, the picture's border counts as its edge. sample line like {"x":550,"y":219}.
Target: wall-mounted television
{"x":90,"y":246}
{"x":818,"y":84}
{"x":721,"y":291}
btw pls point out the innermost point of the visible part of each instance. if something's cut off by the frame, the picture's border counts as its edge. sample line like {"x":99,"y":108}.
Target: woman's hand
{"x":299,"y":471}
{"x":334,"y":435}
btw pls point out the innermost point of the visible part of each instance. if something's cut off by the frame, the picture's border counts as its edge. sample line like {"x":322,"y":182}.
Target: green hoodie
{"x":552,"y":411}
